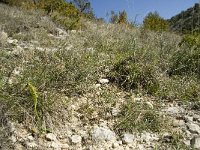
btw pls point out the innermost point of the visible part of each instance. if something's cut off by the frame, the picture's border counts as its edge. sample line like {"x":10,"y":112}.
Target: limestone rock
{"x":195,"y":142}
{"x":115,"y":111}
{"x":103,"y":81}
{"x":115,"y":145}
{"x":174,"y":110}
{"x":75,"y":139}
{"x":55,"y":145}
{"x":51,"y":137}
{"x":188,"y":119}
{"x":30,"y":138}
{"x":178,"y":123}
{"x":128,"y":138}
{"x":12,"y":41}
{"x":194,"y":128}
{"x":101,"y":133}
{"x":31,"y":144}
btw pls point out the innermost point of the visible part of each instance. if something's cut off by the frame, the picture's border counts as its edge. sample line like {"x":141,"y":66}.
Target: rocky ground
{"x":75,"y":127}
{"x":77,"y":134}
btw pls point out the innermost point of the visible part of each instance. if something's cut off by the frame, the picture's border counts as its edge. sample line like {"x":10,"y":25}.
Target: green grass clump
{"x":186,"y":62}
{"x":138,"y":116}
{"x":175,"y":142}
{"x":129,"y":74}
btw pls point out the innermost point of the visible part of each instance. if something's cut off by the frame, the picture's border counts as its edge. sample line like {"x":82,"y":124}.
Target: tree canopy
{"x":154,"y":22}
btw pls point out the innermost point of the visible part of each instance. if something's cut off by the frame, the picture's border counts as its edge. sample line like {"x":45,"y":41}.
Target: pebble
{"x":75,"y":139}
{"x":31,"y":144}
{"x":12,"y":41}
{"x":55,"y":145}
{"x":13,"y":139}
{"x":178,"y":123}
{"x":51,"y":137}
{"x":193,"y":128}
{"x":187,"y":142}
{"x":30,"y":138}
{"x":115,"y":112}
{"x":188,"y":119}
{"x":128,"y":138}
{"x":97,"y":85}
{"x":101,"y":133}
{"x":103,"y":81}
{"x":115,"y":145}
{"x":150,"y":104}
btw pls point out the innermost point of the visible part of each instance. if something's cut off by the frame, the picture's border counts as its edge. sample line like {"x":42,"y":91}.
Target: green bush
{"x":186,"y":61}
{"x":131,"y":75}
{"x":191,"y":41}
{"x":155,"y":23}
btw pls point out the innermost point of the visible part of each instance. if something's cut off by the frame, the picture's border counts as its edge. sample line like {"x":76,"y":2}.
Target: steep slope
{"x":186,"y":21}
{"x":105,"y":87}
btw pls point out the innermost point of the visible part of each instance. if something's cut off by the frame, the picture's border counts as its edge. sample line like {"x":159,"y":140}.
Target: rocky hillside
{"x":186,"y":21}
{"x":106,"y":86}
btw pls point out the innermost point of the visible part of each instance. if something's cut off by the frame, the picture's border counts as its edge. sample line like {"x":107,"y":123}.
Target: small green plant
{"x":34,"y":95}
{"x":138,"y":116}
{"x":175,"y":142}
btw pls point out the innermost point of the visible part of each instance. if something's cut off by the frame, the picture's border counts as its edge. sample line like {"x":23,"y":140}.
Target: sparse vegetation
{"x":186,"y":60}
{"x":139,"y":116}
{"x":62,"y":67}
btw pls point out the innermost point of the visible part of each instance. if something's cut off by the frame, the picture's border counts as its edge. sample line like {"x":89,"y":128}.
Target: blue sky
{"x":140,"y":8}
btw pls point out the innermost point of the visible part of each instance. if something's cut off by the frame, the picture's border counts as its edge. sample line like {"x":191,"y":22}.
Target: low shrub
{"x":131,"y":75}
{"x":186,"y":61}
{"x":190,"y":41}
{"x":179,"y":88}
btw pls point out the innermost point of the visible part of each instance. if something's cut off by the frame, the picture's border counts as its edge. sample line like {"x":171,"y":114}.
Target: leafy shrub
{"x":191,"y":41}
{"x":131,"y":75}
{"x":155,"y":23}
{"x":191,"y":92}
{"x":187,"y":60}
